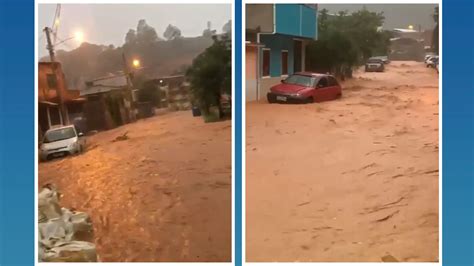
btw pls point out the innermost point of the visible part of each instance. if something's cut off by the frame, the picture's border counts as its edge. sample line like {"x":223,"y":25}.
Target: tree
{"x":227,"y":28}
{"x":333,"y":54}
{"x":131,"y":37}
{"x":435,"y":38}
{"x":323,"y":21}
{"x":172,"y":32}
{"x":146,"y":33}
{"x":364,"y":31}
{"x":210,"y":75}
{"x":346,"y":40}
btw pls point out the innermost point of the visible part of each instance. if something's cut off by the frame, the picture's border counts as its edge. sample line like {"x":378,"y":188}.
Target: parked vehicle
{"x":374,"y":65}
{"x":384,"y":59}
{"x":432,"y":61}
{"x":305,"y":87}
{"x":196,"y":111}
{"x":61,"y":141}
{"x":428,"y":56}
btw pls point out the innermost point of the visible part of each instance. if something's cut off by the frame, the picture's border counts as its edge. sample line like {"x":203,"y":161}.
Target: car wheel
{"x":309,"y":100}
{"x":269,"y":99}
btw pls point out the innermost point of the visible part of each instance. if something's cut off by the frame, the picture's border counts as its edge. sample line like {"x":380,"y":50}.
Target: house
{"x":276,"y":36}
{"x":51,"y":85}
{"x":107,"y":102}
{"x":175,"y":92}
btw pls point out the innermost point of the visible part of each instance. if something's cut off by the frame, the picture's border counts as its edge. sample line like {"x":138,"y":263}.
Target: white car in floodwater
{"x":61,"y":141}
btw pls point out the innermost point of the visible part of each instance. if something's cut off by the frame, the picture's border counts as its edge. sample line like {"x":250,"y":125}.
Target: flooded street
{"x":162,"y":194}
{"x":354,"y":179}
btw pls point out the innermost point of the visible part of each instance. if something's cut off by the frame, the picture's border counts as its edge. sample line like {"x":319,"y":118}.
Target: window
{"x":284,"y":62}
{"x":301,"y":80}
{"x":59,"y":134}
{"x":332,"y":81}
{"x":323,"y":82}
{"x":266,"y":63}
{"x":52,"y":81}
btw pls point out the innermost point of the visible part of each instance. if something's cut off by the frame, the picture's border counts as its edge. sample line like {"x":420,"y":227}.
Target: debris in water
{"x":389,"y":258}
{"x":122,"y":137}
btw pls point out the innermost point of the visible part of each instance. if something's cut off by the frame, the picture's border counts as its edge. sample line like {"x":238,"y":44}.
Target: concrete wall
{"x":46,"y":93}
{"x":259,"y":16}
{"x":251,"y":73}
{"x":266,"y":84}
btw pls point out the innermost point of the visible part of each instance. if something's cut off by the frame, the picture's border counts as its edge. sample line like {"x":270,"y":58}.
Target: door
{"x":321,"y":92}
{"x":297,"y":54}
{"x":333,"y":88}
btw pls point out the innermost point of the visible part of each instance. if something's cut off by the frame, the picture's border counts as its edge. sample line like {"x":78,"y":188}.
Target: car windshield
{"x":301,"y":80}
{"x":59,"y":134}
{"x":374,"y":60}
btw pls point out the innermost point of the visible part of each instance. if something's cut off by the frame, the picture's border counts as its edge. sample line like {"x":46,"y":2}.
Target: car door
{"x":321,"y":90}
{"x":334,"y":89}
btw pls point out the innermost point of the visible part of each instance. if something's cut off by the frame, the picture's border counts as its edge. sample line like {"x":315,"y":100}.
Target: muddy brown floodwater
{"x":354,"y":179}
{"x":163,"y":194}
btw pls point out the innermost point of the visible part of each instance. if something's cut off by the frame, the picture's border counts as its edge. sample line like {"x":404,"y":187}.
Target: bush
{"x":210,"y":75}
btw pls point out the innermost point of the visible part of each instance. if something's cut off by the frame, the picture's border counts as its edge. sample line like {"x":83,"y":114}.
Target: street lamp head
{"x":410,"y":27}
{"x":136,"y":63}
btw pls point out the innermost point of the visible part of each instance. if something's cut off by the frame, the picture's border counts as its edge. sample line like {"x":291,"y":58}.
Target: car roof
{"x":312,"y":74}
{"x":59,"y":127}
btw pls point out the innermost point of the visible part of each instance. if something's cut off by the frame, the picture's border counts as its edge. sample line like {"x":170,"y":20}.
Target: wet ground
{"x":163,"y":193}
{"x":354,"y":179}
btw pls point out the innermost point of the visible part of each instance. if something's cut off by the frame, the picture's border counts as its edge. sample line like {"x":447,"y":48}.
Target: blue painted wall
{"x":277,"y":43}
{"x":309,"y":22}
{"x":296,"y":19}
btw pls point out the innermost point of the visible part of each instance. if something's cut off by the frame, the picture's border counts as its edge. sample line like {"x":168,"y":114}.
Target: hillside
{"x":158,"y":58}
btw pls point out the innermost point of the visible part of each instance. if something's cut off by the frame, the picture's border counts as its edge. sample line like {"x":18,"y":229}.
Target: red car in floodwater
{"x":305,"y":87}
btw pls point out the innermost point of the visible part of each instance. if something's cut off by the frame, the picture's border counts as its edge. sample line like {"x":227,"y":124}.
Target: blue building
{"x":276,"y":36}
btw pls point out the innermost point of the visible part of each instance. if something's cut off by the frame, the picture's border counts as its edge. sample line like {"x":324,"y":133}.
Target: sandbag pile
{"x":64,"y":235}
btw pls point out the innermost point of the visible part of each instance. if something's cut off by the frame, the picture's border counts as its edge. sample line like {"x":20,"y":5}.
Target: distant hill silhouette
{"x":157,"y":57}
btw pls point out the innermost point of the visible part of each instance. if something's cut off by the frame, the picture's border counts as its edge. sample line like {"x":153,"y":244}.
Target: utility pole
{"x":129,"y":87}
{"x":59,"y":92}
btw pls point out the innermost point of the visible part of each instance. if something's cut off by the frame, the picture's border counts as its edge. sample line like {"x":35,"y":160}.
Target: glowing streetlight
{"x":56,"y":22}
{"x":410,"y":27}
{"x":136,"y":63}
{"x":79,"y":36}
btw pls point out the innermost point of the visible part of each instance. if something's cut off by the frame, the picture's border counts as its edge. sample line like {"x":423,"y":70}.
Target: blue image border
{"x":457,"y":134}
{"x":17,"y":132}
{"x":238,"y":132}
{"x":17,"y":72}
